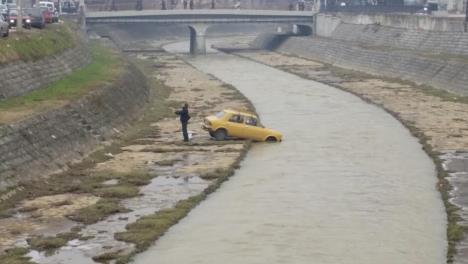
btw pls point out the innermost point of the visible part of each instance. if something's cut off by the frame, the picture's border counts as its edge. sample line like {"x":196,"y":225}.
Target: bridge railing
{"x":374,"y":8}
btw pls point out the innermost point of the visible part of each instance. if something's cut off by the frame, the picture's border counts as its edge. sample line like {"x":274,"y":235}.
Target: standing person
{"x":163,"y":5}
{"x":212,"y":4}
{"x":191,"y":4}
{"x":184,"y":118}
{"x":184,"y":2}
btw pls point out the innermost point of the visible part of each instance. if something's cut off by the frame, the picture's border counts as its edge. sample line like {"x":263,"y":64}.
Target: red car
{"x":13,"y":17}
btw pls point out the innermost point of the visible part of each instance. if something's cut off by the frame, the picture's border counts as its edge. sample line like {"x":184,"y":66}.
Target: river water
{"x":348,"y":184}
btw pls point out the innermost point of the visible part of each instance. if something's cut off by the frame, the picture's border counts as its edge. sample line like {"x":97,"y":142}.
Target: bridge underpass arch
{"x":302,"y":30}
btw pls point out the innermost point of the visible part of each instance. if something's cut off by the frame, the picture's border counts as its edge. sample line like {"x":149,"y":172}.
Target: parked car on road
{"x":13,"y":18}
{"x":4,"y":28}
{"x":239,"y":124}
{"x":69,"y":7}
{"x":37,"y":17}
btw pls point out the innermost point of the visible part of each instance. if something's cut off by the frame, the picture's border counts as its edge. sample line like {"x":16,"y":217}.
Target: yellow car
{"x":239,"y":124}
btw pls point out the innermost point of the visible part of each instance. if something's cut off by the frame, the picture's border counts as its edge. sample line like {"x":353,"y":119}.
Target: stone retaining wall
{"x":446,"y":42}
{"x":48,"y":142}
{"x":407,"y":21}
{"x":20,"y":77}
{"x":443,"y":74}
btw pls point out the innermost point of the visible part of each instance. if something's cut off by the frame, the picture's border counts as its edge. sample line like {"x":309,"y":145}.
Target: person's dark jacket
{"x":184,"y":115}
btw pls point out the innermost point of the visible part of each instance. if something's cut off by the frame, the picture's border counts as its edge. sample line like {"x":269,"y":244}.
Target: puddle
{"x":163,"y":192}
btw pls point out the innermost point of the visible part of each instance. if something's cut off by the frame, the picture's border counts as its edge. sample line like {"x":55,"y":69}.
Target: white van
{"x":49,"y":5}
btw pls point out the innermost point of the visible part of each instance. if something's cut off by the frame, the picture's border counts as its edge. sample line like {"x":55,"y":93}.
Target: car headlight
{"x":12,"y":21}
{"x":28,"y":20}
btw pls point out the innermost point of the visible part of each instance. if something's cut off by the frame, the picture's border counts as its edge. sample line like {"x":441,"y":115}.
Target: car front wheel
{"x":220,"y":134}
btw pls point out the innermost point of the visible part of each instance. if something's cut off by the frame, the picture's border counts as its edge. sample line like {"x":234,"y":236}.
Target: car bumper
{"x":207,"y":128}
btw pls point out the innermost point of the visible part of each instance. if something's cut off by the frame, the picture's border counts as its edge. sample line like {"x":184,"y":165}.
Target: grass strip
{"x":16,"y":256}
{"x":34,"y":45}
{"x":105,"y":68}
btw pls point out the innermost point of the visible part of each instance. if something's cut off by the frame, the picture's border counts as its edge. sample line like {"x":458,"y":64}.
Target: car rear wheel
{"x":271,"y":139}
{"x":220,"y":134}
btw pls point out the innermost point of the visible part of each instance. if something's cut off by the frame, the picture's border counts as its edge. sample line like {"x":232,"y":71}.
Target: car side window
{"x":251,"y":121}
{"x":236,"y":119}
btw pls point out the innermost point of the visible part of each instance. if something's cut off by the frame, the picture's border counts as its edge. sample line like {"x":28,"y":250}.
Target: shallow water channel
{"x":348,"y":184}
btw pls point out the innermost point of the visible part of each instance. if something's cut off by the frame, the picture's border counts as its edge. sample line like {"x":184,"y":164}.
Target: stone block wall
{"x":449,"y":42}
{"x":20,"y":77}
{"x":48,"y":142}
{"x":406,"y":21}
{"x":447,"y":75}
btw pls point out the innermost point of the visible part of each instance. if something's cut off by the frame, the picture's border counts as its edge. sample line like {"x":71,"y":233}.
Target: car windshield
{"x":13,"y":12}
{"x":219,"y":114}
{"x":35,"y":12}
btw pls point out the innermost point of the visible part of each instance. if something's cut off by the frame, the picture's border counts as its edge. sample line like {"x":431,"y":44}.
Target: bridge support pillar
{"x":197,"y":39}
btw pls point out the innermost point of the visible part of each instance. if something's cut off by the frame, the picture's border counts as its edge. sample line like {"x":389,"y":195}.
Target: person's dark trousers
{"x":184,"y":131}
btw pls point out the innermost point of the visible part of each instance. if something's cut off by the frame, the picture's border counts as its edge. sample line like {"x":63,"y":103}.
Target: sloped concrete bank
{"x":48,"y":142}
{"x":437,"y":71}
{"x":20,"y":77}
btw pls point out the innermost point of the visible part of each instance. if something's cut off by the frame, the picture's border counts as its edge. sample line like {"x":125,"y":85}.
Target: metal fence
{"x":373,"y":8}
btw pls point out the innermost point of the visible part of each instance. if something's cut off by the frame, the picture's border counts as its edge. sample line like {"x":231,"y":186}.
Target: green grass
{"x":104,"y":68}
{"x":32,"y":45}
{"x":15,"y":256}
{"x":50,"y":244}
{"x":149,"y":228}
{"x":98,"y":211}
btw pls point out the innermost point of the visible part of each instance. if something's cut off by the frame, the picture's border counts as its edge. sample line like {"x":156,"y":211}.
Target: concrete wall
{"x":21,"y":77}
{"x":48,"y":142}
{"x":433,"y":42}
{"x":328,"y":24}
{"x":406,"y":21}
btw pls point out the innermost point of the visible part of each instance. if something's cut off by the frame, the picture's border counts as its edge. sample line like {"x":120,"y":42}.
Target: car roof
{"x":242,"y":112}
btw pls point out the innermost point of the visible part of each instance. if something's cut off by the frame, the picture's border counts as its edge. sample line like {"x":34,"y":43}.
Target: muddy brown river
{"x":348,"y":184}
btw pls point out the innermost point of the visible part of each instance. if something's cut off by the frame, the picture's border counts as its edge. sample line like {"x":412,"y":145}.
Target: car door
{"x":254,"y":129}
{"x":235,"y":125}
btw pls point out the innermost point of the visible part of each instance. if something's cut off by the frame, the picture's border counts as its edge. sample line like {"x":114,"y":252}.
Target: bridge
{"x":198,"y":21}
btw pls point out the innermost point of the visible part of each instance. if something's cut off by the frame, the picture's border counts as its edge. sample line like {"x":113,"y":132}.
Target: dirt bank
{"x":94,"y":210}
{"x":437,"y":118}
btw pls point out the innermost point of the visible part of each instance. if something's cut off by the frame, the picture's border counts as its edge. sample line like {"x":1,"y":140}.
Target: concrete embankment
{"x":47,"y":142}
{"x":19,"y":76}
{"x":429,"y":57}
